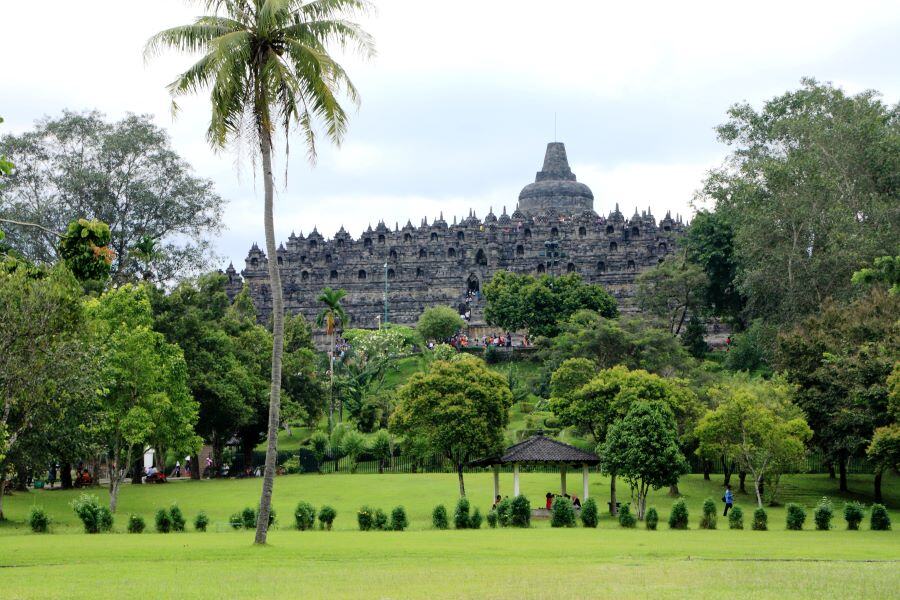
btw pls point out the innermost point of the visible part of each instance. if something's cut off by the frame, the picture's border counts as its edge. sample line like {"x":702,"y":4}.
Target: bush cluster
{"x":38,"y":520}
{"x":626,"y":519}
{"x":736,"y":518}
{"x":178,"y":522}
{"x":520,"y":512}
{"x":708,"y":520}
{"x":247,"y":518}
{"x":439,"y":517}
{"x":651,"y":519}
{"x":399,"y":522}
{"x":879,"y":519}
{"x":136,"y":524}
{"x":475,"y":520}
{"x":760,"y":519}
{"x":492,"y":518}
{"x":201,"y":521}
{"x":163,"y":521}
{"x":853,"y":514}
{"x":365,"y":518}
{"x":563,"y":514}
{"x":95,"y":517}
{"x":589,"y":514}
{"x":504,"y":512}
{"x":305,"y":516}
{"x":796,"y":516}
{"x":678,"y":518}
{"x":327,"y":514}
{"x":823,"y":514}
{"x":461,"y":514}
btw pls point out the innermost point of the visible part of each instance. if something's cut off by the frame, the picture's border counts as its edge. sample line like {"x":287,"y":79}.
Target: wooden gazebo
{"x":540,"y":449}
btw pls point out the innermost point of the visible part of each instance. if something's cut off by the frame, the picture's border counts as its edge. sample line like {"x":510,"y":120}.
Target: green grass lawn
{"x":503,"y":563}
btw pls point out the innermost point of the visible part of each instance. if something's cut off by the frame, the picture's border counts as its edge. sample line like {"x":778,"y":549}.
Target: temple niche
{"x":553,"y":230}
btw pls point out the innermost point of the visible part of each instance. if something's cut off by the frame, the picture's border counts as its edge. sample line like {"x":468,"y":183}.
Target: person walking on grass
{"x":728,"y":499}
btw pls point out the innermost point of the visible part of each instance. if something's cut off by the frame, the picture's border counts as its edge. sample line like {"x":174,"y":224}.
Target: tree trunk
{"x":842,"y":466}
{"x":265,"y":501}
{"x":331,"y":392}
{"x":2,"y":490}
{"x":831,"y":473}
{"x":742,"y":478}
{"x":674,"y":491}
{"x":758,"y":484}
{"x":462,"y":484}
{"x":878,"y":474}
{"x":21,"y":480}
{"x":612,"y":495}
{"x":137,"y":471}
{"x":65,"y":476}
{"x":706,"y":470}
{"x":727,"y":469}
{"x":195,"y":466}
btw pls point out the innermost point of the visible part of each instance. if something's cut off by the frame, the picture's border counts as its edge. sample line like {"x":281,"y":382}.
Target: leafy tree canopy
{"x":122,"y":173}
{"x":812,"y":190}
{"x":460,"y":409}
{"x":439,"y":323}
{"x":672,"y":290}
{"x":886,"y":271}
{"x":538,"y":304}
{"x":709,"y":243}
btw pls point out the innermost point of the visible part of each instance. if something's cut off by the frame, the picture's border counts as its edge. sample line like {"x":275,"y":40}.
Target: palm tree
{"x":330,"y":317}
{"x":267,"y":65}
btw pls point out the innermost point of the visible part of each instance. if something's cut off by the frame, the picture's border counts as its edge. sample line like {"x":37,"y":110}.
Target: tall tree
{"x":709,"y":243}
{"x":812,"y":190}
{"x":123,"y":173}
{"x":49,"y":374}
{"x":146,"y":401}
{"x":268,"y":66}
{"x":331,"y":317}
{"x":460,"y":408}
{"x":841,"y":360}
{"x":672,"y":290}
{"x":756,"y":424}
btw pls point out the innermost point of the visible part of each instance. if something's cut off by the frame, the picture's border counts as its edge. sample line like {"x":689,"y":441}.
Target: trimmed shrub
{"x":201,"y":521}
{"x":399,"y":522}
{"x":736,"y":518}
{"x":651,"y":519}
{"x":177,"y":517}
{"x":563,"y":513}
{"x":823,"y":514}
{"x":235,"y":521}
{"x":305,"y":516}
{"x":439,"y":517}
{"x":504,"y":512}
{"x":589,"y":516}
{"x":796,"y":516}
{"x":379,"y":520}
{"x":365,"y":518}
{"x":760,"y":519}
{"x":327,"y":515}
{"x":492,"y":519}
{"x":248,"y":518}
{"x":520,"y":512}
{"x":163,"y":521}
{"x":95,"y":517}
{"x":708,"y":520}
{"x":678,"y":518}
{"x":38,"y":520}
{"x":853,"y":514}
{"x":461,"y":514}
{"x":626,"y":519}
{"x":879,"y":518}
{"x":475,"y":520}
{"x":136,"y":524}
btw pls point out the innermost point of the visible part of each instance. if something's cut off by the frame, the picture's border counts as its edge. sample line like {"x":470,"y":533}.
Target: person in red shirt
{"x":549,"y":500}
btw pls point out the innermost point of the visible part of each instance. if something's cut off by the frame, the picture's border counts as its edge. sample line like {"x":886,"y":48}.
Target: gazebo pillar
{"x":562,"y":479}
{"x":496,"y":484}
{"x":584,"y":481}
{"x":515,"y":479}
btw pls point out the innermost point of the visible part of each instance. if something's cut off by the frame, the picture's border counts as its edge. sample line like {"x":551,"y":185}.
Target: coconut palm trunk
{"x":265,"y":501}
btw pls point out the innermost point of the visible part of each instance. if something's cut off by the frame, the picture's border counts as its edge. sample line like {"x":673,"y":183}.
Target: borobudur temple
{"x":553,"y":230}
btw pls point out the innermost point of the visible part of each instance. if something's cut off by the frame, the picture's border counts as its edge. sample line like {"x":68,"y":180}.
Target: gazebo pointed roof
{"x":542,"y":449}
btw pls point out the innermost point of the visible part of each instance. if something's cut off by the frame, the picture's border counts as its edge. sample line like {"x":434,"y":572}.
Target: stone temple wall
{"x":554,"y":230}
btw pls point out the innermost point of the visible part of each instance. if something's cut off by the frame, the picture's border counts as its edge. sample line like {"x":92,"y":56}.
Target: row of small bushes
{"x":305,"y":516}
{"x":370,"y":519}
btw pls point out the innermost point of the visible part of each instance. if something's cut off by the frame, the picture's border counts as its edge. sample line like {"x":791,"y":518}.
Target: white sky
{"x":460,"y":102}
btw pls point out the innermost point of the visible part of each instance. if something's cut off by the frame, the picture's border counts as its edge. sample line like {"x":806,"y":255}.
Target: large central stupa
{"x":555,"y":188}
